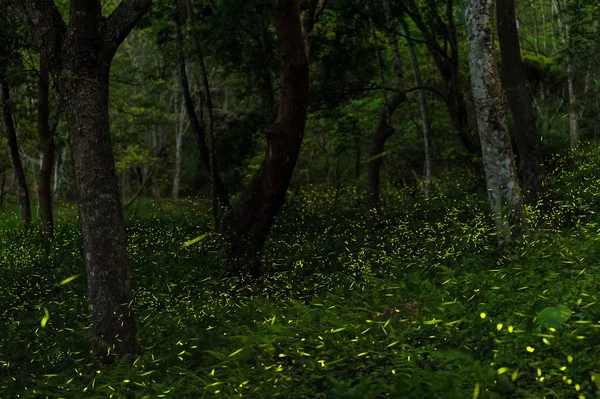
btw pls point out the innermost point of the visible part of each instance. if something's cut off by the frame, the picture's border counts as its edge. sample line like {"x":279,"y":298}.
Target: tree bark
{"x":79,"y":56}
{"x":424,"y":109}
{"x":498,"y":159}
{"x":520,"y":101}
{"x":190,"y":106}
{"x":179,"y":134}
{"x":13,"y":149}
{"x":210,"y":128}
{"x":46,"y":143}
{"x":384,"y":128}
{"x":446,"y":59}
{"x":247,"y":225}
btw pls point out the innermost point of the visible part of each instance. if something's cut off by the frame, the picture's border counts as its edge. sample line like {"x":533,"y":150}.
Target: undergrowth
{"x":423,"y":307}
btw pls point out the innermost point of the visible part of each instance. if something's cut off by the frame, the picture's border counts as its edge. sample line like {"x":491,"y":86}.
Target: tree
{"x":9,"y":42}
{"x":384,"y":128}
{"x":218,"y":189}
{"x":46,"y":141}
{"x":428,"y":147}
{"x":79,"y":56}
{"x":441,"y":38}
{"x":13,"y":146}
{"x":498,"y":160}
{"x":246,"y":226}
{"x":521,"y":104}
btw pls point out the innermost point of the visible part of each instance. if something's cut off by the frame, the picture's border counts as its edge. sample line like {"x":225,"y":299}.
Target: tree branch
{"x":120,"y":23}
{"x":45,"y":22}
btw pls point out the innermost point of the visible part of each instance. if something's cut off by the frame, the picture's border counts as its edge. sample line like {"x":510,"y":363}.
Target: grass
{"x":425,"y":307}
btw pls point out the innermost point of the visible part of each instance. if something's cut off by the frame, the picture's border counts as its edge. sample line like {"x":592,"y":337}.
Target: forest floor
{"x":423,"y":307}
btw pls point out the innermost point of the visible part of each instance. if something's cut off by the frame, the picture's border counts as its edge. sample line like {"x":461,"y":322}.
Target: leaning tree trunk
{"x":79,"y":57}
{"x":13,"y":148}
{"x":529,"y":151}
{"x":247,"y":225}
{"x":498,"y":159}
{"x":46,"y":142}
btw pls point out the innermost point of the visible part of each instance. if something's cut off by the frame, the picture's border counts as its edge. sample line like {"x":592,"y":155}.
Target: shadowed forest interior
{"x":299,"y":198}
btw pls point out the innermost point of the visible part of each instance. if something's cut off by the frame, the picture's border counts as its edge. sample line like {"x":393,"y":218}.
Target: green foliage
{"x":423,"y":307}
{"x":554,"y":317}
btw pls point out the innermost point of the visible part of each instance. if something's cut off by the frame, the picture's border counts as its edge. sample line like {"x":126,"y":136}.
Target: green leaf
{"x":554,"y":317}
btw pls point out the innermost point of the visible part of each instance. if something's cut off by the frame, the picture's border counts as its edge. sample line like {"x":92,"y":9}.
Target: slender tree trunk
{"x":190,"y":106}
{"x":179,"y":134}
{"x":424,"y":109}
{"x":357,"y":156}
{"x":210,"y":127}
{"x":13,"y":148}
{"x":247,"y":225}
{"x":446,"y":59}
{"x":498,"y":159}
{"x":384,"y":128}
{"x":527,"y":141}
{"x":46,"y":142}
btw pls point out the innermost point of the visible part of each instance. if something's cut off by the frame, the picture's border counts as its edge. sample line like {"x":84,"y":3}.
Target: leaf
{"x":68,"y":279}
{"x":45,"y":318}
{"x":554,"y":317}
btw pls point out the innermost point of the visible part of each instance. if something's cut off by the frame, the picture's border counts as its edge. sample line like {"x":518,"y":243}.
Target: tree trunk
{"x":179,"y":134}
{"x":190,"y":106}
{"x":446,"y":58}
{"x":210,"y":128}
{"x":79,"y":57}
{"x":46,"y":142}
{"x":247,"y":225}
{"x":424,"y":109}
{"x":527,"y":141}
{"x":101,"y":217}
{"x":384,"y":127}
{"x":13,"y":148}
{"x":498,"y":160}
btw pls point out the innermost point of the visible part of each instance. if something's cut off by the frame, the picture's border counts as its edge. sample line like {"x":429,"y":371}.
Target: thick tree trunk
{"x":46,"y":142}
{"x":79,"y":56}
{"x":527,"y":141}
{"x":190,"y":106}
{"x":13,"y":149}
{"x":101,"y":217}
{"x":247,"y":225}
{"x":498,"y":159}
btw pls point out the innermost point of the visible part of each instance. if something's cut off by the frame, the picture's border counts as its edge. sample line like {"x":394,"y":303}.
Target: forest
{"x":299,"y":199}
